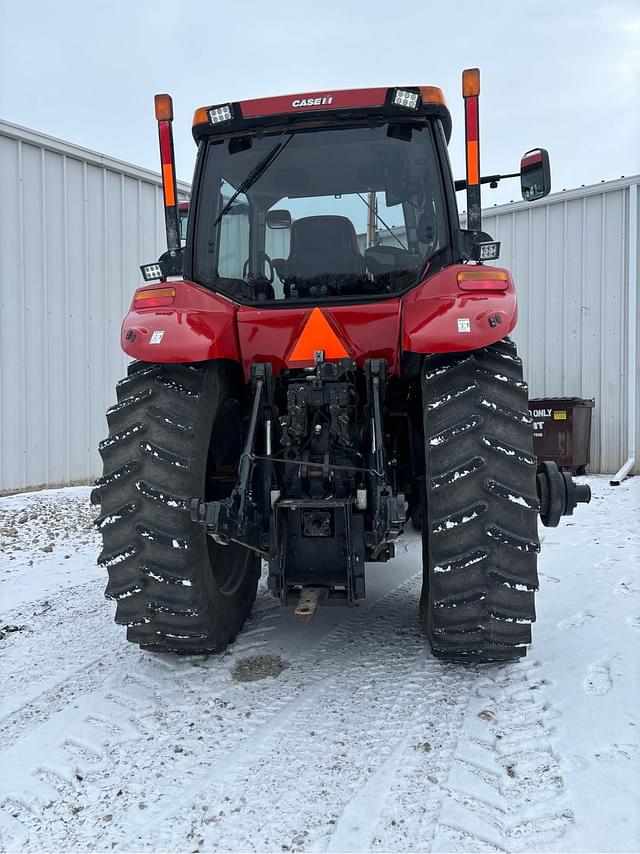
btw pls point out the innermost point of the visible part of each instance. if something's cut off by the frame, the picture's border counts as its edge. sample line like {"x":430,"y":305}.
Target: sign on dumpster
{"x":562,"y":430}
{"x":540,"y":415}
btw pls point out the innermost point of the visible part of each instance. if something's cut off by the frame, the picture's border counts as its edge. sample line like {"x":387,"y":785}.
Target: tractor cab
{"x":333,"y":195}
{"x":307,"y":199}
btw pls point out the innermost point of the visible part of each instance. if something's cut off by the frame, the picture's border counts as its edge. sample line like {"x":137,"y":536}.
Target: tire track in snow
{"x":328,"y":793}
{"x":478,"y":772}
{"x":505,"y":790}
{"x":378,"y":816}
{"x":341,"y":793}
{"x":93,"y":628}
{"x":415,"y":797}
{"x":295,"y":726}
{"x":364,"y":738}
{"x":82,"y":624}
{"x":113,"y":703}
{"x":356,"y":825}
{"x":149,"y":711}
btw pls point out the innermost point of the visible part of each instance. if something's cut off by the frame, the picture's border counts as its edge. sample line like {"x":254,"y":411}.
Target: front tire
{"x":174,"y":434}
{"x":480,"y":539}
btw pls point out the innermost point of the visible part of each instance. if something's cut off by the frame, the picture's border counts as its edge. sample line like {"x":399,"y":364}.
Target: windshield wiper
{"x":379,"y":218}
{"x":258,"y":170}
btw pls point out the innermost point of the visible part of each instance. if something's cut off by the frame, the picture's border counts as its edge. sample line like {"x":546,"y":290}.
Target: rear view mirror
{"x":279,"y":219}
{"x":535,"y":174}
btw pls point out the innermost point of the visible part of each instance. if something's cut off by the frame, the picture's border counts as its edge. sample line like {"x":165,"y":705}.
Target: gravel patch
{"x":257,"y":667}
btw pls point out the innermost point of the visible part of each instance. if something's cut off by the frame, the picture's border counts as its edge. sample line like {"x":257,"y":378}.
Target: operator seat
{"x":323,"y":246}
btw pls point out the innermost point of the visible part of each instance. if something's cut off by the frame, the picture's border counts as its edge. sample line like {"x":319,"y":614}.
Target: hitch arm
{"x":245,"y":469}
{"x":231,"y":518}
{"x":387,"y":509}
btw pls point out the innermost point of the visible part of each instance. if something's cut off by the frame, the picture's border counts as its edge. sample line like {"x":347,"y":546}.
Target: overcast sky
{"x":562,"y":74}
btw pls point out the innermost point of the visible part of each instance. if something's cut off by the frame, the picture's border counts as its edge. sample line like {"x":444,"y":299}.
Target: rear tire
{"x":480,"y":539}
{"x":174,"y":434}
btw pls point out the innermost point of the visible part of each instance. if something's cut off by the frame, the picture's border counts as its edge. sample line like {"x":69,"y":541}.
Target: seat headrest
{"x":314,"y":230}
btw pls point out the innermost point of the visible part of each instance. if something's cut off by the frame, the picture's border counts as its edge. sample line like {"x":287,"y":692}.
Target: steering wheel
{"x":262,"y":256}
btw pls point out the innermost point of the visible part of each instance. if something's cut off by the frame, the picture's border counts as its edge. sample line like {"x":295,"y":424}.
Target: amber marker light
{"x":154,"y":297}
{"x":164,"y":108}
{"x":485,"y":279}
{"x":432,"y":95}
{"x":201,"y":116}
{"x":471,"y":82}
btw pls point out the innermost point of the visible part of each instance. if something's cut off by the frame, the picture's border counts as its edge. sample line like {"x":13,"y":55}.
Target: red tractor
{"x":325,"y":358}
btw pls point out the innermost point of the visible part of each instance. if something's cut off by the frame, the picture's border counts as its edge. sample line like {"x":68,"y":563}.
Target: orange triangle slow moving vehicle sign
{"x":317,"y":334}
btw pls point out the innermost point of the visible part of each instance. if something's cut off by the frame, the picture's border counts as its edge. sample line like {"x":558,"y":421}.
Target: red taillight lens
{"x":154,"y":297}
{"x":486,"y":279}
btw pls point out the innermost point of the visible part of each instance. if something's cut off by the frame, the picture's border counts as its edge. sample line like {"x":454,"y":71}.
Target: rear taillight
{"x":484,"y":279}
{"x":154,"y":297}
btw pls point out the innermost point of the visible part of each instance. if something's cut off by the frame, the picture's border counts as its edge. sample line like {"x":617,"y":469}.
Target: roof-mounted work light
{"x":151,"y":272}
{"x":213,"y":115}
{"x":405,"y":98}
{"x":217,"y":115}
{"x":488,"y":250}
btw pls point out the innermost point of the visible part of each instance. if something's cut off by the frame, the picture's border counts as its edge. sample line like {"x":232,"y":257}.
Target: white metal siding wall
{"x":74,"y":226}
{"x":569,"y":258}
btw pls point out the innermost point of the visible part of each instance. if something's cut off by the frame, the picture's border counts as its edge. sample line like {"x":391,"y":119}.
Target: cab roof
{"x":322,"y":108}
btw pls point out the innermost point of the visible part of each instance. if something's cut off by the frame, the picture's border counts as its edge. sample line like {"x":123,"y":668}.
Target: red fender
{"x":439,"y":317}
{"x":198,"y":325}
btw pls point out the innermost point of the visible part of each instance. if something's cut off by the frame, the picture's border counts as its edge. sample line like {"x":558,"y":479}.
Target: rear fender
{"x":198,"y":325}
{"x":439,"y":317}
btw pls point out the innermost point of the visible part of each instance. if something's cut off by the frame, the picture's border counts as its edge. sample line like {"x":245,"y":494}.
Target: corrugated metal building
{"x":570,"y":257}
{"x":75,"y":225}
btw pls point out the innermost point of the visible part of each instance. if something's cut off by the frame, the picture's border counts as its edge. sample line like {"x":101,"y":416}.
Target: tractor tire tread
{"x":480,"y":536}
{"x":157,"y":559}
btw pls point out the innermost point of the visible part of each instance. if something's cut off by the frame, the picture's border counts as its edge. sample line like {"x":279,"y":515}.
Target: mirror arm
{"x":461,"y":183}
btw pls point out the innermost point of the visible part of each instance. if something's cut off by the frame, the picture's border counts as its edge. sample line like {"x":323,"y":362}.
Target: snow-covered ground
{"x":360,"y":741}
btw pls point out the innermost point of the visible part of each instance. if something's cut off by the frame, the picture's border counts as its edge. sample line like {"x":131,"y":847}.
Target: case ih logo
{"x":312,"y":102}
